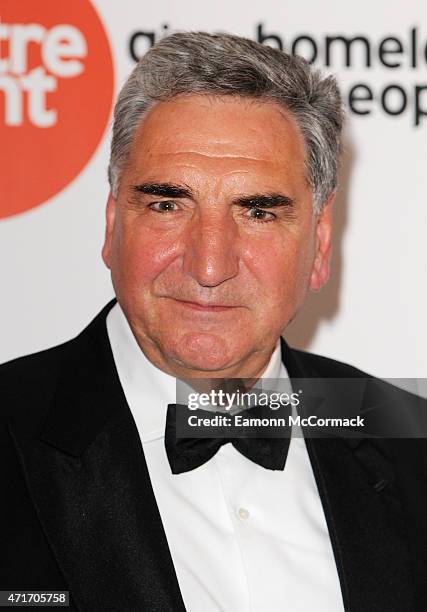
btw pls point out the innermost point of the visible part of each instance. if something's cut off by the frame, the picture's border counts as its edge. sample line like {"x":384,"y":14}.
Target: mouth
{"x":205,"y":307}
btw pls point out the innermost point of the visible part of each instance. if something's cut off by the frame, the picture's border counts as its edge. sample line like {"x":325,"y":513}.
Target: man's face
{"x":212,"y":241}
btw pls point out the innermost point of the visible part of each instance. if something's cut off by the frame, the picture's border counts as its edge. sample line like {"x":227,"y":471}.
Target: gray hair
{"x":223,"y":64}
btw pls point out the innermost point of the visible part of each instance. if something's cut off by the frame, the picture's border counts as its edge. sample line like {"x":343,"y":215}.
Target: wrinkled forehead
{"x":220,"y":126}
{"x":218,"y":135}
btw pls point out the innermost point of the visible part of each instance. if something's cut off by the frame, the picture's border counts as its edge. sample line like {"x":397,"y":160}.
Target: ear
{"x":110,"y":216}
{"x":321,"y":264}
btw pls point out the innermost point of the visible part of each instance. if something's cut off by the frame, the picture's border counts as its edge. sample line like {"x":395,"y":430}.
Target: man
{"x":223,"y":174}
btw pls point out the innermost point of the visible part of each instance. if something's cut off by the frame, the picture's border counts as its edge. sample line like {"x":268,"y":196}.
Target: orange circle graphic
{"x":56,"y":90}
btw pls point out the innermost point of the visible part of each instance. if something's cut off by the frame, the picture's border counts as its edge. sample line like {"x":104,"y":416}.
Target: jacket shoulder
{"x":27,"y":384}
{"x":35,"y":376}
{"x":327,"y":367}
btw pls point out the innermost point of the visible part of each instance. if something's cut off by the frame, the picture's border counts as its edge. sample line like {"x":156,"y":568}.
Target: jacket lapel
{"x":358,"y":489}
{"x":90,"y":485}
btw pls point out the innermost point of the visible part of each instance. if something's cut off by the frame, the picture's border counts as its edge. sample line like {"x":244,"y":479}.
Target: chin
{"x":204,"y":351}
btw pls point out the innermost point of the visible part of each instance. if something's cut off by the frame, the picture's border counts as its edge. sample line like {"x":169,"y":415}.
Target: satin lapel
{"x":365,"y":524}
{"x":89,"y":482}
{"x":357,"y":487}
{"x":410,"y":458}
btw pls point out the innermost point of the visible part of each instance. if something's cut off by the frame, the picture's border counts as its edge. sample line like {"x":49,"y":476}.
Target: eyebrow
{"x":271,"y":200}
{"x":172,"y":190}
{"x":165,"y":190}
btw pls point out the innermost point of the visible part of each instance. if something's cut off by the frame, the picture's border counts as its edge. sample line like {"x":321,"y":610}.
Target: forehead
{"x":219,"y":132}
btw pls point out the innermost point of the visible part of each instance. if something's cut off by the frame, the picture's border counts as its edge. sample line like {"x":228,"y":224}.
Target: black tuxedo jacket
{"x":78,"y":511}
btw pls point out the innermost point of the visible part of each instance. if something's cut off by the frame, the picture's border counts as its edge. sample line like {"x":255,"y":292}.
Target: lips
{"x":205,"y":307}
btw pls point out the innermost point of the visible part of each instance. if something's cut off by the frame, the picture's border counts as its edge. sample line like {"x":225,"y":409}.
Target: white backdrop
{"x":372,"y":314}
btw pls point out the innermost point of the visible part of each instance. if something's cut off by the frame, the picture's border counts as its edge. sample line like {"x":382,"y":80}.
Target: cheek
{"x":141,"y":255}
{"x":282,"y":270}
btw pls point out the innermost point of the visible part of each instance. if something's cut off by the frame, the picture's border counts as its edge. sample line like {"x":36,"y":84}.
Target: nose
{"x":211,"y":249}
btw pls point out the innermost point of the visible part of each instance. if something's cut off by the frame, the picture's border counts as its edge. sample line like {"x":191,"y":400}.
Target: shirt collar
{"x":148,"y":390}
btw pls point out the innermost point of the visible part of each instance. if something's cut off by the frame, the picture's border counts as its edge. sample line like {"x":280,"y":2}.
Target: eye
{"x":261,"y":215}
{"x":164,"y":206}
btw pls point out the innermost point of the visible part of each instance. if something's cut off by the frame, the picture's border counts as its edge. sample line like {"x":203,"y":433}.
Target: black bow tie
{"x":186,"y":454}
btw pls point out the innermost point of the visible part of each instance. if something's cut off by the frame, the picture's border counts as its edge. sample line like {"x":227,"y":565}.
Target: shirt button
{"x":243,"y":514}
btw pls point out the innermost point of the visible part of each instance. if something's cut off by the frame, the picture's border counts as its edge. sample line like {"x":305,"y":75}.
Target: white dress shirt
{"x":242,"y":538}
